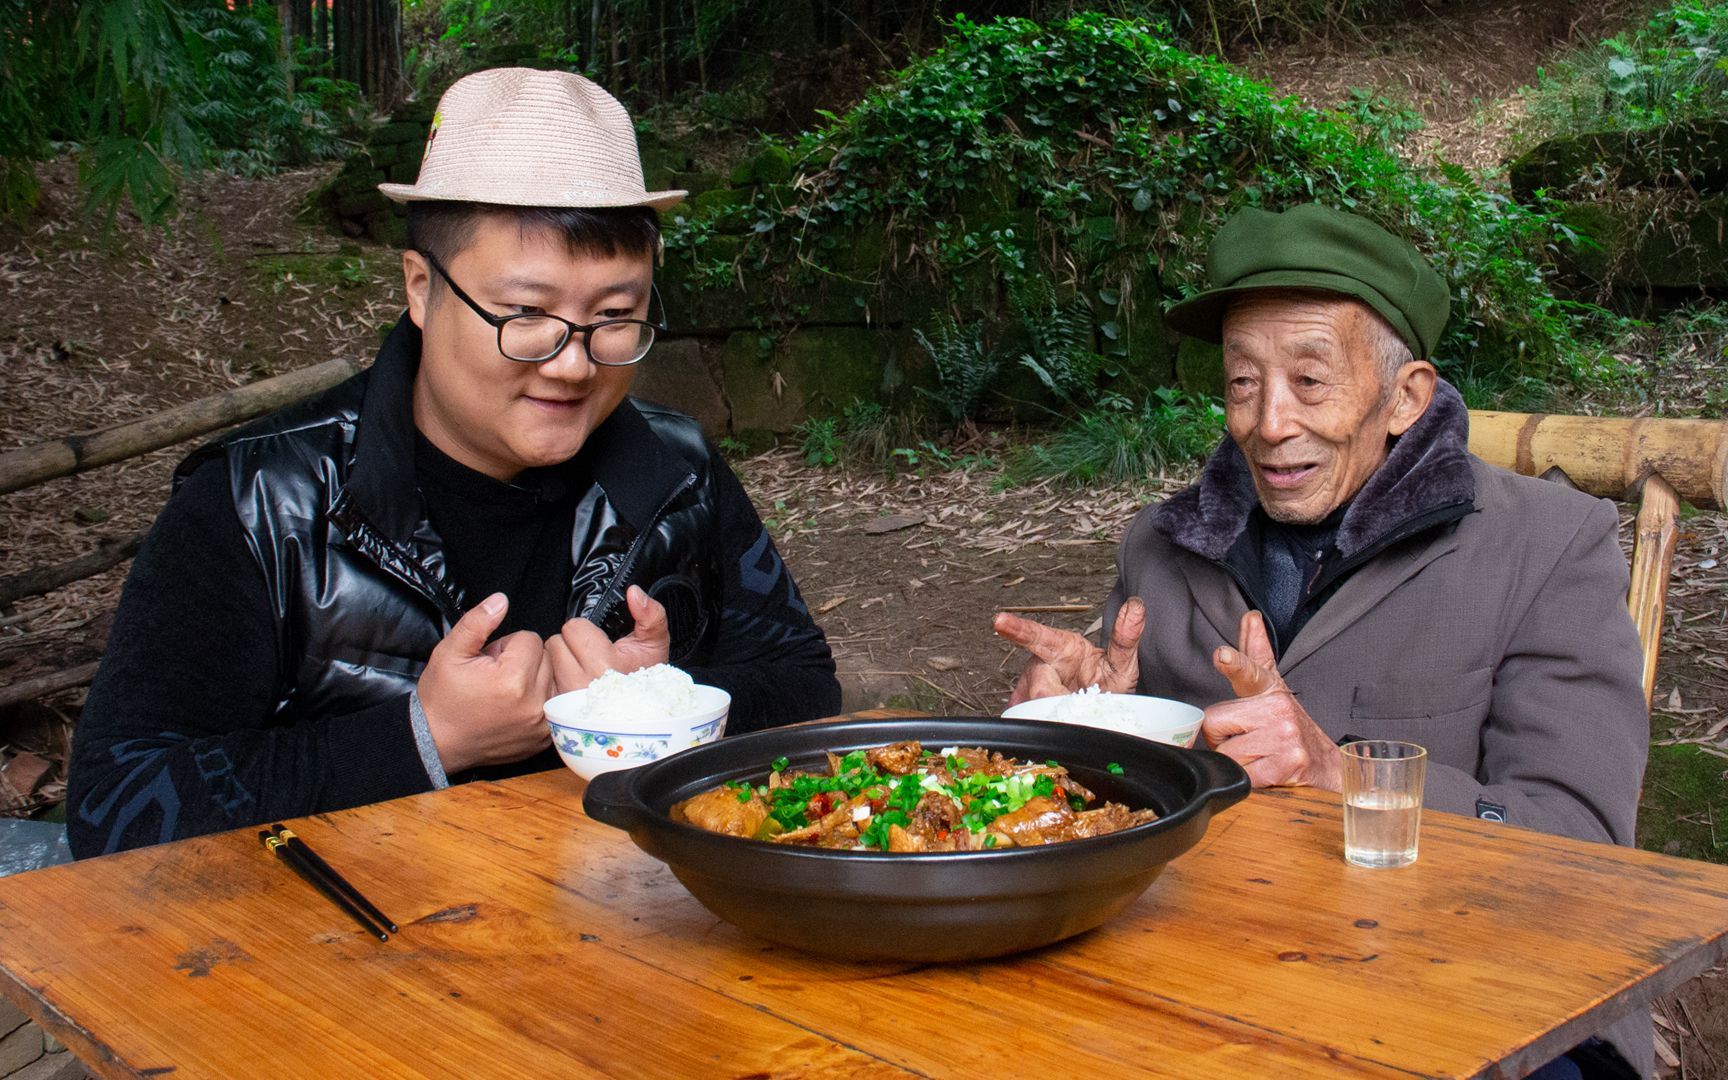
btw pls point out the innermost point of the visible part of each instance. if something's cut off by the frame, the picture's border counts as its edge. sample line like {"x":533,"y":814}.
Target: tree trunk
{"x":285,"y":10}
{"x":591,"y":58}
{"x":321,"y":32}
{"x":613,"y":46}
{"x":701,"y":46}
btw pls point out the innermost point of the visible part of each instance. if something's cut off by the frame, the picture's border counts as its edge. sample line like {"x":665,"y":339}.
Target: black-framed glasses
{"x":533,"y":337}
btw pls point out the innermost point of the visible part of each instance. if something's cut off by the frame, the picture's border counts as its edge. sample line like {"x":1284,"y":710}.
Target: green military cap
{"x":1316,"y":247}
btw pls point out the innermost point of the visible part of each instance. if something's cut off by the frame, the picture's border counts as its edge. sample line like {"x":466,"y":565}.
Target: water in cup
{"x":1380,"y":828}
{"x":1382,"y":801}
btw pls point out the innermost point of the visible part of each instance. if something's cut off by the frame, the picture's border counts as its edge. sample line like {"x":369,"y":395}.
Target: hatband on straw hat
{"x":523,"y":137}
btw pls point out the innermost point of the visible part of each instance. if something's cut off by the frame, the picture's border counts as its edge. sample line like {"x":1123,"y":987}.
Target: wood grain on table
{"x":536,"y":942}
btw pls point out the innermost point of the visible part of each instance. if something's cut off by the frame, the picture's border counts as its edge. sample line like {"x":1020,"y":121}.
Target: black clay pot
{"x":923,"y":907}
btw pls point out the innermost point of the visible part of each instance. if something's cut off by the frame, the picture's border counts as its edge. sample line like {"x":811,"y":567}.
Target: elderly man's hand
{"x":1265,"y":729}
{"x":581,"y":652}
{"x":1063,"y":661}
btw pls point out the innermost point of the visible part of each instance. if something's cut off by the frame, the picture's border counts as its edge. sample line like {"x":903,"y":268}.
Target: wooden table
{"x":536,"y":942}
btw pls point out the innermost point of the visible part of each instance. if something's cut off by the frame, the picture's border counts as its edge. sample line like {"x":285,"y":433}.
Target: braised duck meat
{"x":902,"y":797}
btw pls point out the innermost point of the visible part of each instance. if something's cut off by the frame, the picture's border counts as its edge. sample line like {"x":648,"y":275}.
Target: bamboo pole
{"x":77,"y":453}
{"x":1609,"y":456}
{"x":1653,"y":545}
{"x":42,"y":685}
{"x":48,"y":578}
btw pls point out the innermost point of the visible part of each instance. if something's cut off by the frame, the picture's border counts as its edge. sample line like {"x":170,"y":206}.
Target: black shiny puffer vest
{"x":326,"y":495}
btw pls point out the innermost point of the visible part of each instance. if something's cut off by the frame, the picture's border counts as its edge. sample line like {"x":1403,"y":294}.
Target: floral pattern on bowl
{"x":591,"y":751}
{"x":580,"y":743}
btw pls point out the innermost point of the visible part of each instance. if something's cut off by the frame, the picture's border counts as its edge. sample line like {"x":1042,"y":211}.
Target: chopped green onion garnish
{"x":780,"y":764}
{"x":1114,"y":768}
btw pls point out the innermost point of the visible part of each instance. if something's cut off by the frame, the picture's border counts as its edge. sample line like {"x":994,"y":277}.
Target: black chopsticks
{"x":322,"y":876}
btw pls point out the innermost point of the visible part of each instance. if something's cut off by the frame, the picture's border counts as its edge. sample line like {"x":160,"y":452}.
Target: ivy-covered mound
{"x":1040,"y":193}
{"x":1634,"y":151}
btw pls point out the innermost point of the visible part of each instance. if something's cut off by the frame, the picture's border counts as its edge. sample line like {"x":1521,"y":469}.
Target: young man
{"x":372,"y":593}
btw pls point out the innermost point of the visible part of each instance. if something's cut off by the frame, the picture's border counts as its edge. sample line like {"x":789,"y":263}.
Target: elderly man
{"x":374,"y":593}
{"x":1344,"y":568}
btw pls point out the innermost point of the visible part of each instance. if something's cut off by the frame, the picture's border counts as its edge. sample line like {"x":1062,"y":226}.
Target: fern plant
{"x":965,"y":366}
{"x":1061,"y":335}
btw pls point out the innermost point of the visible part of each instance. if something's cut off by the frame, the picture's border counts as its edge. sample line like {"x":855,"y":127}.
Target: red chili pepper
{"x":943,"y":835}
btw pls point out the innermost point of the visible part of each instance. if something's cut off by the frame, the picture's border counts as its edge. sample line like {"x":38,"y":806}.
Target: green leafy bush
{"x":1098,"y":157}
{"x":1673,"y":68}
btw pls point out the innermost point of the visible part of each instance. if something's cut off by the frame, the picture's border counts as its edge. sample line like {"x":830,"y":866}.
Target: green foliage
{"x":1674,"y":68}
{"x":819,"y":441}
{"x":148,"y":90}
{"x":1683,"y":788}
{"x":965,"y":367}
{"x":863,"y":433}
{"x":1117,"y":443}
{"x":1385,"y":121}
{"x":242,"y":109}
{"x":1061,"y":334}
{"x":1095,"y":154}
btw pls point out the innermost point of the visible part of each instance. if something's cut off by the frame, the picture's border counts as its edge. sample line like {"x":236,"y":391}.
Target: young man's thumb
{"x":467,"y":638}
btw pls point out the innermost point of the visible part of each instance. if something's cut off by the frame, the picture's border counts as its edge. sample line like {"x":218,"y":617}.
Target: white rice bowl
{"x":1158,"y":719}
{"x":622,"y":720}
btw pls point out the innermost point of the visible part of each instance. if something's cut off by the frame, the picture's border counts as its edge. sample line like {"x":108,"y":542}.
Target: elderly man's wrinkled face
{"x":1306,"y":399}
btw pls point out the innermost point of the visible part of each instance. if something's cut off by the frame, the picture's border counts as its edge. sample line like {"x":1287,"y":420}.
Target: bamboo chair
{"x":1656,"y":463}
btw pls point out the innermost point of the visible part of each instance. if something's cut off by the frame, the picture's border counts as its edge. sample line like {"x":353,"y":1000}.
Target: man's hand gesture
{"x":1063,"y":661}
{"x":1265,"y":729}
{"x":484,"y":704}
{"x":581,"y":652}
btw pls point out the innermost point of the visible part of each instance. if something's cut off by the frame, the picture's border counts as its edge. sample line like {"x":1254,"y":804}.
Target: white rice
{"x":650,"y":693}
{"x":1094,"y":709}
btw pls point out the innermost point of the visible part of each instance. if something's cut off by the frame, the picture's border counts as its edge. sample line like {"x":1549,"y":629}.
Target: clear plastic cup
{"x":1382,"y":801}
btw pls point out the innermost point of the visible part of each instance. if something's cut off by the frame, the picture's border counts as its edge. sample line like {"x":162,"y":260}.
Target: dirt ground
{"x":903,"y":572}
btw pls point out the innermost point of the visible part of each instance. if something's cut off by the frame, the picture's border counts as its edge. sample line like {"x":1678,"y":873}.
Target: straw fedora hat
{"x":522,"y":137}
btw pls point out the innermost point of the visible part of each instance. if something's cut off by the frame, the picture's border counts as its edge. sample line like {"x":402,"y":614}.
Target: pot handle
{"x":607,"y":799}
{"x":1226,"y":784}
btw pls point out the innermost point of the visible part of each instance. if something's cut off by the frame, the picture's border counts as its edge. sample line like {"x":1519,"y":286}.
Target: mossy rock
{"x":1686,"y":249}
{"x":772,"y":166}
{"x":697,"y":182}
{"x":1200,"y":367}
{"x":356,"y":177}
{"x":706,"y":305}
{"x":661,"y":163}
{"x":812,"y":371}
{"x":362,"y":204}
{"x":1691,"y":157}
{"x":1141,"y":350}
{"x":723,"y":199}
{"x":865,"y":249}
